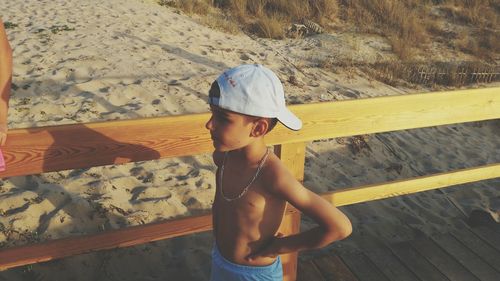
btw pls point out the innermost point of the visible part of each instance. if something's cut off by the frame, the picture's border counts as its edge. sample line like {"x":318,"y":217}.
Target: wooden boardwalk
{"x":472,"y":254}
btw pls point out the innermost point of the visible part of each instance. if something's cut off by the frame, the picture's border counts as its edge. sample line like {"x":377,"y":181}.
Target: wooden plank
{"x":389,"y":264}
{"x":488,"y":235}
{"x":495,"y":227}
{"x":391,"y":113}
{"x":41,"y":252}
{"x":55,"y":148}
{"x":466,"y":257}
{"x":386,"y":261}
{"x":307,"y":271}
{"x":37,"y":150}
{"x":396,"y":188}
{"x":416,"y":263}
{"x":293,"y":157}
{"x":478,"y":246}
{"x":445,"y":263}
{"x":332,"y":268}
{"x":362,"y":267}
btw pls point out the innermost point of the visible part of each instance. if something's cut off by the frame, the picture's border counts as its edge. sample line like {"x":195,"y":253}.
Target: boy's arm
{"x":333,"y":225}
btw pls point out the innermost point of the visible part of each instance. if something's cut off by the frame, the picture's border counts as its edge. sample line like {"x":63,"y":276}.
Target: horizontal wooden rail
{"x":17,"y":256}
{"x":126,"y":237}
{"x":408,"y":186}
{"x":36,"y":150}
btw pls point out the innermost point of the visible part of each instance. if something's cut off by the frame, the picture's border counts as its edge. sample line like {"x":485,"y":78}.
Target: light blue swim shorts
{"x":224,"y":270}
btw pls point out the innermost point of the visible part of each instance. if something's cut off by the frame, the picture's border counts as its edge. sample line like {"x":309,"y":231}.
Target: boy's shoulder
{"x":276,"y":175}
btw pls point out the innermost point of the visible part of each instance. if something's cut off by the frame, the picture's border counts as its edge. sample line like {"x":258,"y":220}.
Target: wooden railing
{"x":37,"y":150}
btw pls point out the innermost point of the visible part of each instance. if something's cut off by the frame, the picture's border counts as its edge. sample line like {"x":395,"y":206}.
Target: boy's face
{"x":229,"y":130}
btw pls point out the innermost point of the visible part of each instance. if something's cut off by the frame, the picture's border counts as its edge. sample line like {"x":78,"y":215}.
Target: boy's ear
{"x":260,"y":127}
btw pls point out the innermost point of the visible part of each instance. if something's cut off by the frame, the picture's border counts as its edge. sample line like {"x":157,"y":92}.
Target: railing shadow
{"x":68,"y":205}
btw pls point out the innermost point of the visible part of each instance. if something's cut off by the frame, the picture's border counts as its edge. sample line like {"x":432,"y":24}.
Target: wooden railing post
{"x":293,"y":156}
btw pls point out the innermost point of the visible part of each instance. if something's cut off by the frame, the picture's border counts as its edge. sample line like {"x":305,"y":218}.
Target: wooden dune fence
{"x":37,"y":150}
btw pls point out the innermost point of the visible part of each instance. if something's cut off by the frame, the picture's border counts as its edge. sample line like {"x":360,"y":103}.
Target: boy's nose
{"x":209,"y":124}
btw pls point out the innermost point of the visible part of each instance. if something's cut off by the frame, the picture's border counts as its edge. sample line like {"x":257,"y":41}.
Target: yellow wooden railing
{"x":37,"y":150}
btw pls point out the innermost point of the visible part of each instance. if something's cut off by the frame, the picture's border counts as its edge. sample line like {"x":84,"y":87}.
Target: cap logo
{"x":230,"y":80}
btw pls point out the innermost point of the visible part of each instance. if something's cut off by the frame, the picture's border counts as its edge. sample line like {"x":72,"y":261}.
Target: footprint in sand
{"x":81,"y":74}
{"x":141,"y":174}
{"x":174,"y":82}
{"x":244,"y":57}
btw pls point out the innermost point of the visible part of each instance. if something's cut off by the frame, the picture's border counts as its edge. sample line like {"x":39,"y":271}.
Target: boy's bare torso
{"x":245,"y":225}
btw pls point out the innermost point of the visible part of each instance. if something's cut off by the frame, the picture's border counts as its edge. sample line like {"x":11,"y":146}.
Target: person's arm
{"x":333,"y":225}
{"x":5,"y":81}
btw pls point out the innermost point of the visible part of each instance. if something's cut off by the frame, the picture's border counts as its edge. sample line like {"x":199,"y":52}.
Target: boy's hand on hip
{"x":270,"y":250}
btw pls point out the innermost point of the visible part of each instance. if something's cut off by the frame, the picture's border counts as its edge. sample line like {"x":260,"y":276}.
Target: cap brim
{"x":287,"y":118}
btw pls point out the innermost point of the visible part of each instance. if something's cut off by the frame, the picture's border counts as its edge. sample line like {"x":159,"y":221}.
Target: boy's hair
{"x":272,"y":124}
{"x":270,"y":121}
{"x":254,"y":90}
{"x":214,"y":92}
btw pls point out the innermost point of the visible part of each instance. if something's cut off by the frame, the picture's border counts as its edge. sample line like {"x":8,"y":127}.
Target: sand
{"x":87,"y":61}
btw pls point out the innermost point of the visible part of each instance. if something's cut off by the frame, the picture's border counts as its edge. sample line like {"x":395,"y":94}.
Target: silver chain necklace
{"x":261,"y":164}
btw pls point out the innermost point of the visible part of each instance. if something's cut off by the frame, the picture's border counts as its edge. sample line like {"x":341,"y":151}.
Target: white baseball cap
{"x":253,"y":89}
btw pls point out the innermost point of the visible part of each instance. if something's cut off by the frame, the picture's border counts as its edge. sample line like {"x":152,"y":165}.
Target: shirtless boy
{"x":253,"y":185}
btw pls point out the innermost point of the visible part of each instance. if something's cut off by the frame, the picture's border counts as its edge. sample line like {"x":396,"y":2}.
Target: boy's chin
{"x":221,"y":148}
{"x":225,"y":148}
